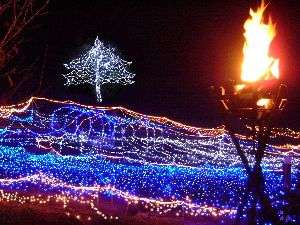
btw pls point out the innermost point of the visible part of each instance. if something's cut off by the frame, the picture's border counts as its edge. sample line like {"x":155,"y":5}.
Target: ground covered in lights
{"x":92,"y":164}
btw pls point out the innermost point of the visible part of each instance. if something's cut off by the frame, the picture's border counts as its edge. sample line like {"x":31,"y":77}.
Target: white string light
{"x":100,"y":65}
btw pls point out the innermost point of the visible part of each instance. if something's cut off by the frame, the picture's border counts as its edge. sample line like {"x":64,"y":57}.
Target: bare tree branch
{"x":4,"y":7}
{"x":22,"y":19}
{"x":15,"y":9}
{"x":16,"y":16}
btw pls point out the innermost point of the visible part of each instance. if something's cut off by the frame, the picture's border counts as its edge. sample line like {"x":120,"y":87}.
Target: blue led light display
{"x":74,"y":150}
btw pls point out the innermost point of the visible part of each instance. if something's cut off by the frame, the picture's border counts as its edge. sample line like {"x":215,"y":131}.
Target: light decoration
{"x":73,"y":155}
{"x":257,"y":63}
{"x":99,"y":66}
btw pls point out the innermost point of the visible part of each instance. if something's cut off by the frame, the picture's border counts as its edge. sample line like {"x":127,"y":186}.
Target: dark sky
{"x":178,"y":49}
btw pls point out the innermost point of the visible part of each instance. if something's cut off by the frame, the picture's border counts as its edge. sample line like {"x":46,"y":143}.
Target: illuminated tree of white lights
{"x":100,"y":65}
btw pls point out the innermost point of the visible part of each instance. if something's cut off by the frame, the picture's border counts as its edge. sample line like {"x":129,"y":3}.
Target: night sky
{"x":178,"y":51}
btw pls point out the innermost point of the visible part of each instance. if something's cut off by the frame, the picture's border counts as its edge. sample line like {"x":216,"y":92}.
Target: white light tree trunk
{"x":98,"y":82}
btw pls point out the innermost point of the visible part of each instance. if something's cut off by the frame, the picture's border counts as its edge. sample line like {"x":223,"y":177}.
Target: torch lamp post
{"x":256,"y":104}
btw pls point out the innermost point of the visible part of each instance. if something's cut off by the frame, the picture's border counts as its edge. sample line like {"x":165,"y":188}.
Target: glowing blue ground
{"x":144,"y":156}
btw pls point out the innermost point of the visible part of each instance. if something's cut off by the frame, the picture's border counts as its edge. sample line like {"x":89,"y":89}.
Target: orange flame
{"x":264,"y":103}
{"x":257,"y":64}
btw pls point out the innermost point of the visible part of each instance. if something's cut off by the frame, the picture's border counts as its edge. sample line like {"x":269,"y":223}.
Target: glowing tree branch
{"x":100,"y":65}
